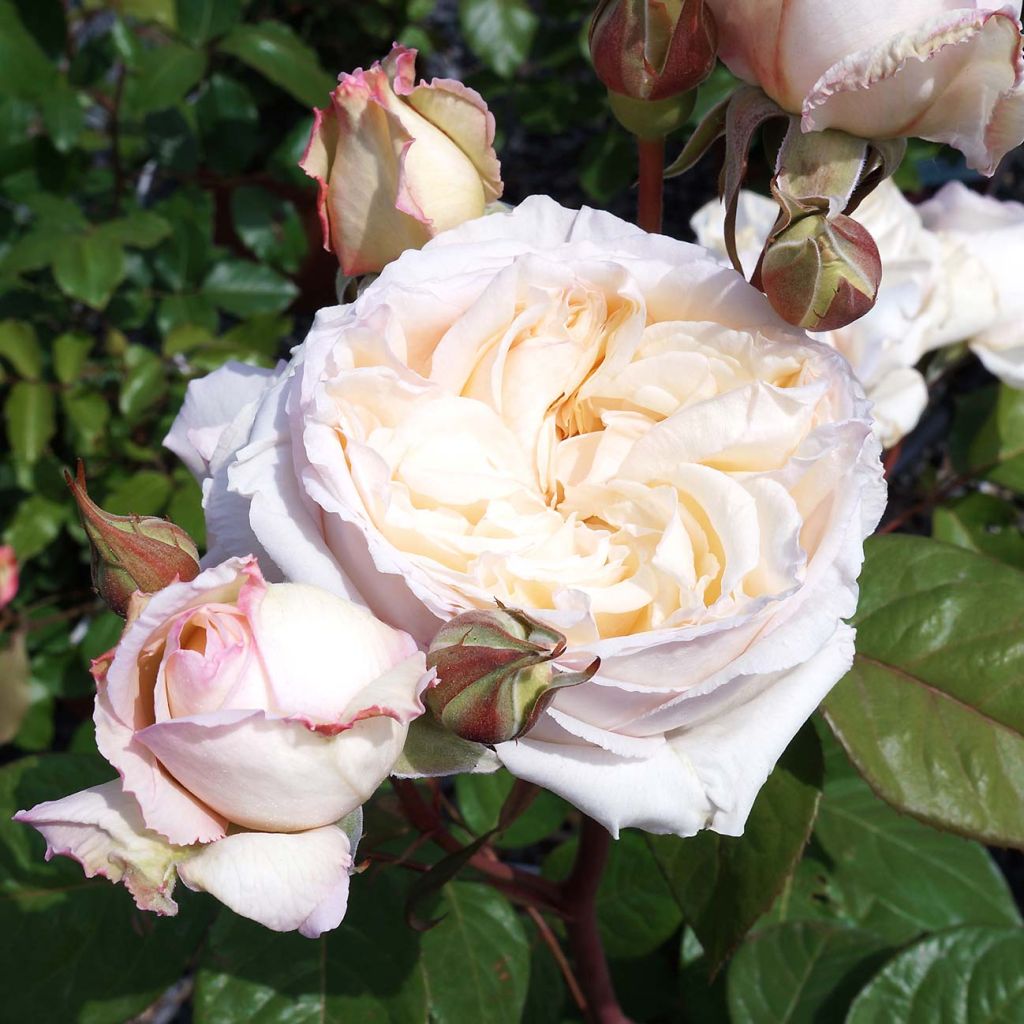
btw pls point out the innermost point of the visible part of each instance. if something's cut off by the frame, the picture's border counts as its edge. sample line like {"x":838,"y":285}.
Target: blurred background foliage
{"x":153,"y":224}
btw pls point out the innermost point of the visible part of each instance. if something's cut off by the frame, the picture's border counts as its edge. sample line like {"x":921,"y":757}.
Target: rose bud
{"x":651,"y":55}
{"x":822,"y":274}
{"x":398,"y":162}
{"x":495,"y":674}
{"x":132,"y":553}
{"x":8,"y":575}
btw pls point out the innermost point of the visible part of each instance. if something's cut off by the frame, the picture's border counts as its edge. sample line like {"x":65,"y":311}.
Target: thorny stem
{"x":580,"y":894}
{"x":651,"y":153}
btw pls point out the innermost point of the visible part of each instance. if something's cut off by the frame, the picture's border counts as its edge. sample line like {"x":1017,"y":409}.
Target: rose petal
{"x":284,"y":882}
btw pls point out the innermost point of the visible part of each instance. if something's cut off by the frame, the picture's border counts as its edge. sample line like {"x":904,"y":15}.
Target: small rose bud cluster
{"x":132,"y":553}
{"x":496,"y":674}
{"x":652,"y":55}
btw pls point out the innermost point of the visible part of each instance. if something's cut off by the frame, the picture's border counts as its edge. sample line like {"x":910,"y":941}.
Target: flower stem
{"x":651,"y":153}
{"x":580,"y":894}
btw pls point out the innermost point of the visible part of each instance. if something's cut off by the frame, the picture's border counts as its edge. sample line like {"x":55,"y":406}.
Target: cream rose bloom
{"x":245,"y":721}
{"x":911,"y":309}
{"x":946,"y":70}
{"x":605,"y":428}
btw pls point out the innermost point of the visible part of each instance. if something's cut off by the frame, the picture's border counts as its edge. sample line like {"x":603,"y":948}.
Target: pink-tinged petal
{"x":462,"y":114}
{"x":8,"y":574}
{"x":275,"y":775}
{"x":367,"y":229}
{"x":285,"y":882}
{"x":323,"y":653}
{"x":211,"y":404}
{"x":103,"y":830}
{"x":316,"y":162}
{"x":957,"y":78}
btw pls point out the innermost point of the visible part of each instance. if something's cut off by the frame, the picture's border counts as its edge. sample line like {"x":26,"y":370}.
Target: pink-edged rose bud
{"x":822,"y":274}
{"x":132,"y":553}
{"x":398,"y":162}
{"x":8,"y":575}
{"x":653,"y":49}
{"x":496,"y":674}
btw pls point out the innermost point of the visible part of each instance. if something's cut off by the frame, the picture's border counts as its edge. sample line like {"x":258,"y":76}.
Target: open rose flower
{"x":909,"y":313}
{"x":606,"y":429}
{"x":983,"y":242}
{"x":245,"y":720}
{"x":398,"y":161}
{"x":946,"y":70}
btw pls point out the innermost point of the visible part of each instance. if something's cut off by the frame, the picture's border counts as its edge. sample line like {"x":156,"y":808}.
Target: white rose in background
{"x":604,"y":428}
{"x":245,"y":720}
{"x":946,"y":70}
{"x":983,"y":240}
{"x":884,"y":345}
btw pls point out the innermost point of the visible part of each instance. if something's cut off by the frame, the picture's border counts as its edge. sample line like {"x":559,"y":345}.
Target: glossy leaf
{"x":898,"y":878}
{"x":801,"y":973}
{"x":144,"y":493}
{"x":276,"y":52}
{"x":19,"y":345}
{"x":269,"y":226}
{"x":70,"y":351}
{"x":63,"y":115}
{"x":30,"y":416}
{"x":202,"y":20}
{"x":246,"y":289}
{"x":988,"y":438}
{"x":480,"y":799}
{"x":930,"y":713}
{"x":364,"y":971}
{"x":500,"y":32}
{"x":982,"y":523}
{"x":89,"y":267}
{"x":72,"y":948}
{"x":477,"y":960}
{"x":143,"y":384}
{"x":140,"y":229}
{"x":36,"y":523}
{"x":966,"y":976}
{"x":24,"y":69}
{"x":164,"y":76}
{"x":722,"y":883}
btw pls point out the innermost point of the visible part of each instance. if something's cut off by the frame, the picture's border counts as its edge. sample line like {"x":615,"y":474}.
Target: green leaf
{"x":635,"y":908}
{"x":477,"y":960}
{"x":144,"y":383}
{"x":269,"y":226}
{"x":139,"y":229}
{"x":805,"y":972}
{"x":723,"y":884}
{"x":164,"y":76}
{"x":70,"y":351}
{"x":63,"y":114}
{"x":930,"y":712}
{"x":20,"y":347}
{"x":25,"y":70}
{"x":87,"y":414}
{"x":366,"y":970}
{"x":144,"y":493}
{"x":431,"y":750}
{"x":966,"y":976}
{"x":480,"y":799}
{"x":72,"y":948}
{"x":31,"y":419}
{"x":982,"y":523}
{"x":988,"y":436}
{"x":36,"y":524}
{"x":89,"y":267}
{"x":202,"y":20}
{"x":276,"y":52}
{"x":500,"y":32}
{"x":898,"y":878}
{"x":245,"y":288}
{"x":176,"y":311}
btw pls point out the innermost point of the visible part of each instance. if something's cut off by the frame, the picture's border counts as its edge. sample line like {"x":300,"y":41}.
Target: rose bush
{"x":398,"y":161}
{"x":603,"y":427}
{"x":946,"y":70}
{"x":245,"y":720}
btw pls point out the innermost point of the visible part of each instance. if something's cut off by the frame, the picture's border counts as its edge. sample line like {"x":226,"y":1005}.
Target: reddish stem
{"x":580,"y":894}
{"x":652,"y":183}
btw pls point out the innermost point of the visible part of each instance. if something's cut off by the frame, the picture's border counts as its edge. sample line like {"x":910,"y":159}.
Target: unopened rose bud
{"x":495,"y":674}
{"x":822,"y":274}
{"x":132,"y":553}
{"x":8,"y":575}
